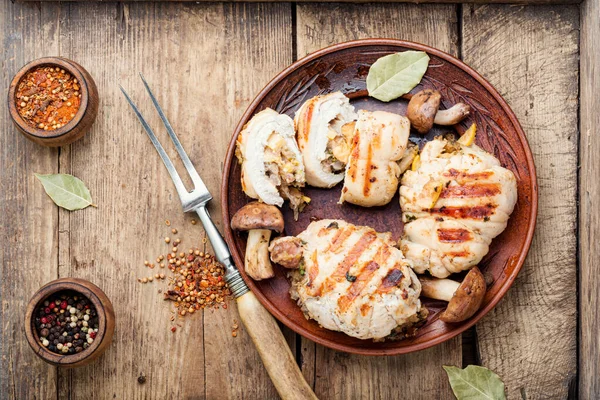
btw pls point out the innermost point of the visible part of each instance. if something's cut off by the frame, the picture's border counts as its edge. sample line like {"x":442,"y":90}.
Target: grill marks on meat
{"x":391,"y":280}
{"x":358,"y":285}
{"x":449,"y":231}
{"x":379,"y":142}
{"x":454,"y":235}
{"x":465,"y":176}
{"x":353,"y":255}
{"x":356,"y":281}
{"x":340,"y":237}
{"x":353,"y":167}
{"x":472,"y":190}
{"x":339,"y":274}
{"x":476,"y":212}
{"x":314,"y":271}
{"x":368,"y":179}
{"x":307,"y":120}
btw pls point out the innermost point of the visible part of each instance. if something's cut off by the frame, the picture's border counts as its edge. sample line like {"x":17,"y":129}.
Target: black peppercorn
{"x":59,"y":321}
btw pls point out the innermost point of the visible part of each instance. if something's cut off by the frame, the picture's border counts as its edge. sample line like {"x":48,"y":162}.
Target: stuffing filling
{"x":338,"y":146}
{"x":282,"y":169}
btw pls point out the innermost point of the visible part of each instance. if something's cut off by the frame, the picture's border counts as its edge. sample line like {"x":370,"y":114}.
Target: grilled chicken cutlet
{"x":379,"y":141}
{"x":351,"y":279}
{"x":455,"y":200}
{"x":324,"y":143}
{"x":272,"y":168}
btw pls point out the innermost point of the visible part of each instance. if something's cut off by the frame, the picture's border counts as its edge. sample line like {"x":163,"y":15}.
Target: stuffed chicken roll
{"x":324,"y":144}
{"x":379,"y":142}
{"x":272,"y":168}
{"x":455,"y":200}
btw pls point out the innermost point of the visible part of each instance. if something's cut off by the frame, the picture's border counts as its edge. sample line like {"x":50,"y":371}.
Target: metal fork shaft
{"x":232,"y":276}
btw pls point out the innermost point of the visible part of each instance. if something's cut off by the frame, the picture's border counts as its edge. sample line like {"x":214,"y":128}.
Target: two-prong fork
{"x":197,"y":199}
{"x":260,"y":325}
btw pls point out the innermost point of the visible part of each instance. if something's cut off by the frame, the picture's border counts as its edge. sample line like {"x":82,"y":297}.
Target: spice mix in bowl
{"x":48,"y":97}
{"x":66,"y":323}
{"x":53,"y":101}
{"x":69,"y":322}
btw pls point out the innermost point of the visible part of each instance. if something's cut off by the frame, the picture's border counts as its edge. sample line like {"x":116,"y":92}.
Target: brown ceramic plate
{"x":344,"y":67}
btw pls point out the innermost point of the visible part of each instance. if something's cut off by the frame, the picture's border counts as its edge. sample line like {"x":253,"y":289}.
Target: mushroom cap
{"x":422,"y":108}
{"x":467,"y":299}
{"x":257,"y":215}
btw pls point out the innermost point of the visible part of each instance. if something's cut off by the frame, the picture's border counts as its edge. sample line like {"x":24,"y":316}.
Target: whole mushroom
{"x":464,"y":298}
{"x":423,"y":111}
{"x":259,"y":219}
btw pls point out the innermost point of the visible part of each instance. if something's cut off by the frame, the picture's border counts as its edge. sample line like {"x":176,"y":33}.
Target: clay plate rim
{"x":239,"y":260}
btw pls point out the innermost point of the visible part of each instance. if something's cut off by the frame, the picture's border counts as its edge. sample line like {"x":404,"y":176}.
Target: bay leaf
{"x":475,"y":383}
{"x":396,"y":74}
{"x":66,"y":191}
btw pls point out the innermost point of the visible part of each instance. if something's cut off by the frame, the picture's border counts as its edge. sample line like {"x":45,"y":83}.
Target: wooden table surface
{"x":207,"y":61}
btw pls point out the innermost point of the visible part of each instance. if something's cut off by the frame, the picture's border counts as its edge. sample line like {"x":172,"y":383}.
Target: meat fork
{"x":261,"y":326}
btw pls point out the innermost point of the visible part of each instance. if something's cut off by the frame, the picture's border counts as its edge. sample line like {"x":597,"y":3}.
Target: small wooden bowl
{"x":106,"y":322}
{"x":74,"y":129}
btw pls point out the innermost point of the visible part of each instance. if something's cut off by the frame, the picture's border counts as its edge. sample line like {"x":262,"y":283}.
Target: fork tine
{"x":184,"y":157}
{"x":181,"y":190}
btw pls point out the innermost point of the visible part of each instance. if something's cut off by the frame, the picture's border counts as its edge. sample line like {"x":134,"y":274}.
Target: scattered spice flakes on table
{"x":234,"y":328}
{"x":48,"y":98}
{"x":197,"y":281}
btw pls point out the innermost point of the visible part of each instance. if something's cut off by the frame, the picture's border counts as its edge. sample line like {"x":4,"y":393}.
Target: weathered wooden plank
{"x":589,"y":195}
{"x":28,"y":255}
{"x":200,"y":62}
{"x":338,"y":375}
{"x":398,"y":1}
{"x":531,"y":55}
{"x":250,"y":60}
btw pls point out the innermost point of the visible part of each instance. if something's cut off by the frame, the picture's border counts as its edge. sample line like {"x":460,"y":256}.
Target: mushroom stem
{"x":452,"y":115}
{"x":257,"y":263}
{"x":439,"y":289}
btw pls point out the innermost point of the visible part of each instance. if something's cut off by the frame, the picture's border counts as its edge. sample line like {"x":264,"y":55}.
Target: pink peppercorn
{"x":93,"y":335}
{"x":63,"y":304}
{"x":44,"y":320}
{"x":47,"y":310}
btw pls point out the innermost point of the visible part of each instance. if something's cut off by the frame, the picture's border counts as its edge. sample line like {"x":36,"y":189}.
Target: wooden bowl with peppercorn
{"x":53,"y":101}
{"x":69,"y":322}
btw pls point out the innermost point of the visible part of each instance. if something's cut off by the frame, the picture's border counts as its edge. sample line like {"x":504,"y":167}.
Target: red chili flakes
{"x":196,"y":282}
{"x":48,"y":98}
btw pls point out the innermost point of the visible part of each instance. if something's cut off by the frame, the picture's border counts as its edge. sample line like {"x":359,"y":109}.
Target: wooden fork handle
{"x":273,"y":349}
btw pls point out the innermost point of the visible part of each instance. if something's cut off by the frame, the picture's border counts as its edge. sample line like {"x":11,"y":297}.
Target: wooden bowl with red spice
{"x":72,"y":294}
{"x":53,"y":101}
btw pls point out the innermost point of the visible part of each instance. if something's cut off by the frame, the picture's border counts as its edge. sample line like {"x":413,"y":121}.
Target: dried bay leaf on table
{"x":475,"y":383}
{"x":66,"y":191}
{"x":396,"y":74}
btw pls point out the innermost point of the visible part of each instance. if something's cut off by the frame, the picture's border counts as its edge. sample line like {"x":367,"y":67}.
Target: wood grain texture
{"x":403,"y":1}
{"x":191,"y":56}
{"x":589,"y":201}
{"x":530,"y":55}
{"x":338,"y":375}
{"x":248,"y":63}
{"x":274,"y":350}
{"x":28,"y":255}
{"x":206,"y":61}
